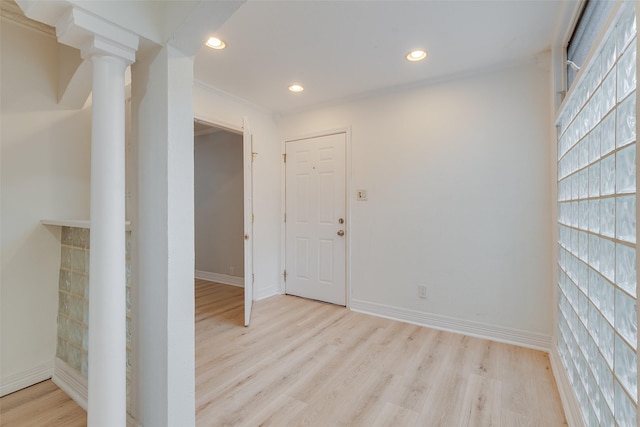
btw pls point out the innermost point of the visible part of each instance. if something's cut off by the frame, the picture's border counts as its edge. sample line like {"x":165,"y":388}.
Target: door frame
{"x":348,"y":193}
{"x":247,"y":174}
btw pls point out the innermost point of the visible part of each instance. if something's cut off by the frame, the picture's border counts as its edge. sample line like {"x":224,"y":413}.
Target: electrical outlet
{"x":422,"y":291}
{"x":231,"y":271}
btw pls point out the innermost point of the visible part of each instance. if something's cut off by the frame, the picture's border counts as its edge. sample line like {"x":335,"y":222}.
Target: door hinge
{"x":253,"y":218}
{"x":285,"y":275}
{"x":253,"y":156}
{"x":285,"y":217}
{"x":284,"y":157}
{"x":253,"y":278}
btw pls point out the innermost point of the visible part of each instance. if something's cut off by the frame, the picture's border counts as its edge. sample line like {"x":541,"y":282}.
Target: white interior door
{"x":315,"y":218}
{"x":247,"y":153}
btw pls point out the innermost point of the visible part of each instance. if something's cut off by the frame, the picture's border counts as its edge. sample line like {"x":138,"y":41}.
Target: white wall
{"x":457,"y":175}
{"x":219,"y":203}
{"x":222,"y":109}
{"x":163,"y":254}
{"x":44,"y":174}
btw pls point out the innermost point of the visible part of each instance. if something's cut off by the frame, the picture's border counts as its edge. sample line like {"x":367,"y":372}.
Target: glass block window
{"x":597,"y":324}
{"x":590,"y":23}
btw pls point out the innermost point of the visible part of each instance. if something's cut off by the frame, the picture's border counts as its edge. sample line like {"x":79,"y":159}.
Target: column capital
{"x":95,"y":36}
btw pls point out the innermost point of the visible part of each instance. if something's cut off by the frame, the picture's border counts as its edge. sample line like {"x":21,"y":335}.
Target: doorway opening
{"x":223,"y":243}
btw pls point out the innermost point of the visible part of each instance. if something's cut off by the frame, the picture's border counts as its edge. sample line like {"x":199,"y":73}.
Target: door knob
{"x":340,"y":232}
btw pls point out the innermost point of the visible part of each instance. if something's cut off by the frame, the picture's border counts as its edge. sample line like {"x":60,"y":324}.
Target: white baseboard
{"x":71,"y":382}
{"x":258,"y":294}
{"x":570,"y":404}
{"x":266,"y":293}
{"x":225,"y":279}
{"x":476,"y":329}
{"x":26,"y":378}
{"x":76,"y":387}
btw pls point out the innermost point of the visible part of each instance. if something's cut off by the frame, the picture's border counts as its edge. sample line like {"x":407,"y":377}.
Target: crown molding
{"x":95,"y":36}
{"x":10,"y":10}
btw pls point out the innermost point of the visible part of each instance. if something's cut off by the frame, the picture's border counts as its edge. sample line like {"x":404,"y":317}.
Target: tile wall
{"x":73,"y":306}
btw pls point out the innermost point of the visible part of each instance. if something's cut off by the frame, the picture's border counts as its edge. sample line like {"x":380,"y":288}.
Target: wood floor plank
{"x":479,"y":407}
{"x":519,"y":394}
{"x":547,"y":389}
{"x":370,"y":371}
{"x":16,"y":400}
{"x":511,"y":419}
{"x":407,"y":358}
{"x":443,"y":401}
{"x":305,"y":363}
{"x":419,"y":377}
{"x":277,"y":413}
{"x":252,"y":386}
{"x":366,"y":400}
{"x":393,"y":415}
{"x":41,"y":405}
{"x":489,"y":359}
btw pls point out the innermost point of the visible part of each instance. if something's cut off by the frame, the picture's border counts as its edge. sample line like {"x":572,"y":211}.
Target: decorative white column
{"x":110,"y":50}
{"x":107,"y":280}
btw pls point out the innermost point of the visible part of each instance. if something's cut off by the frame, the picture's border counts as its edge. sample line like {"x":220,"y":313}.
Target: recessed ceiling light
{"x":416,"y":55}
{"x":215,"y":43}
{"x":296,"y":88}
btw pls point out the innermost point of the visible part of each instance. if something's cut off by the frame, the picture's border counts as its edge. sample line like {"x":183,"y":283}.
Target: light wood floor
{"x":43,"y":404}
{"x":305,"y":363}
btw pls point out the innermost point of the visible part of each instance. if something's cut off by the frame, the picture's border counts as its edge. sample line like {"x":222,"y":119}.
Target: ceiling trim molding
{"x":10,"y":10}
{"x":197,"y":84}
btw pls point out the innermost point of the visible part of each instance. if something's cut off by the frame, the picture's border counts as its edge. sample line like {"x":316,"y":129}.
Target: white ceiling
{"x":343,"y":49}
